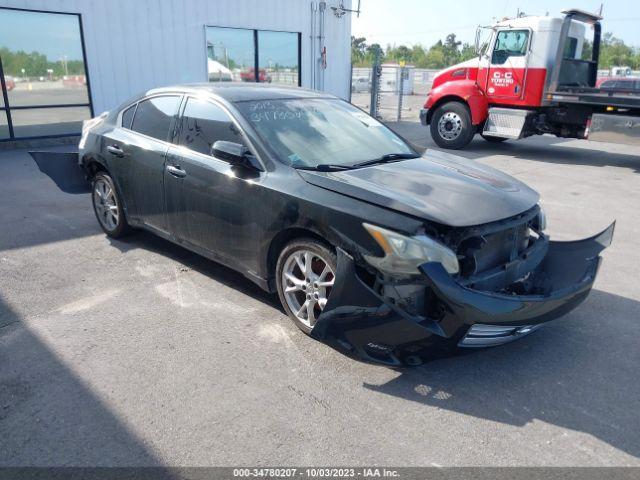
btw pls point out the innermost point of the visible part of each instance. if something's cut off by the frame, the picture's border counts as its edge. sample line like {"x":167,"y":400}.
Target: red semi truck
{"x":530,"y":78}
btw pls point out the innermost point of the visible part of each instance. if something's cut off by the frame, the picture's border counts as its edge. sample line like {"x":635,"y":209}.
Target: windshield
{"x":305,"y":133}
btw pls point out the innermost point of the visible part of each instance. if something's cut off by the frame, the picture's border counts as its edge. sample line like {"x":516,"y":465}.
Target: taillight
{"x":87,"y":125}
{"x":93,"y":122}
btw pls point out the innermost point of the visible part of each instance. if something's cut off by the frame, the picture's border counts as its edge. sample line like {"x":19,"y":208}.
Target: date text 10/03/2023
{"x":315,"y":472}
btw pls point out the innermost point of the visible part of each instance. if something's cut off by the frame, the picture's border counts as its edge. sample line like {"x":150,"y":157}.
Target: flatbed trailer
{"x":531,"y":79}
{"x":596,"y":97}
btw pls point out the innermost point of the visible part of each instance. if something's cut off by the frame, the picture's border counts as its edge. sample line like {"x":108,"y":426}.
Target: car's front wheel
{"x":107,"y":206}
{"x":305,"y":274}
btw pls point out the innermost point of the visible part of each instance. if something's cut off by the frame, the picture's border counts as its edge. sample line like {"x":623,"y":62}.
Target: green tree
{"x":613,"y":51}
{"x":396,"y":54}
{"x":36,"y":64}
{"x":467,"y":52}
{"x":451,"y":49}
{"x":418,"y":56}
{"x":358,"y":49}
{"x":373,"y":50}
{"x":436,"y":57}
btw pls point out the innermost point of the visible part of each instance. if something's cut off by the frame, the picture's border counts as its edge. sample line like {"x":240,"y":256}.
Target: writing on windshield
{"x":309,"y":132}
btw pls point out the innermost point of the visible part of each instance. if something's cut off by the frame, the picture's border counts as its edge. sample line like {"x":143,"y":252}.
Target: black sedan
{"x":393,"y":254}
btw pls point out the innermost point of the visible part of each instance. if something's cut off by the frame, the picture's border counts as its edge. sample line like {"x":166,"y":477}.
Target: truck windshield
{"x":305,"y":133}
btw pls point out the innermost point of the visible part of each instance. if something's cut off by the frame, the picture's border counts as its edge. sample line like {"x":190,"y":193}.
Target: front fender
{"x":465,"y":91}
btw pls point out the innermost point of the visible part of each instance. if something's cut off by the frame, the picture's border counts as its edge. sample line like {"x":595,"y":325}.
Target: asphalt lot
{"x":137,"y":352}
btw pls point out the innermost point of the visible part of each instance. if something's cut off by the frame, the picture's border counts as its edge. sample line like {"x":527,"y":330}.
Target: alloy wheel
{"x":104,"y":200}
{"x":307,"y":280}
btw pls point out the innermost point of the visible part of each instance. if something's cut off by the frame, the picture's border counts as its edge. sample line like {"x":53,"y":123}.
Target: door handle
{"x":115,"y":150}
{"x":176,"y":171}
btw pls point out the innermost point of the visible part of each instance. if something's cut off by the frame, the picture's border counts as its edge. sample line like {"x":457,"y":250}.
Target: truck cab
{"x":530,"y":77}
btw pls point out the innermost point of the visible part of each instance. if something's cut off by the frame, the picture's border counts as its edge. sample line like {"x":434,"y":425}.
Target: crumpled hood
{"x":439,"y":187}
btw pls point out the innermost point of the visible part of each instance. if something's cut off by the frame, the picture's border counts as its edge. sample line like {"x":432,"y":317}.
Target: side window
{"x":127,"y":116}
{"x":153,"y":116}
{"x":509,"y":43}
{"x":203,"y":124}
{"x":570,"y":47}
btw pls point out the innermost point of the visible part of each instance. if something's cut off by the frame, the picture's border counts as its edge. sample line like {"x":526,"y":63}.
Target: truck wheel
{"x":451,"y":126}
{"x":491,"y":139}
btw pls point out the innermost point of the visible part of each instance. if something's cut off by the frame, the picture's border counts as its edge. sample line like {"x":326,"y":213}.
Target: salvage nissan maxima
{"x":372,"y":246}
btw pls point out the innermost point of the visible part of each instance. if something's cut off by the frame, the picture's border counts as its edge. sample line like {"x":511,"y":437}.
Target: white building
{"x":65,"y":60}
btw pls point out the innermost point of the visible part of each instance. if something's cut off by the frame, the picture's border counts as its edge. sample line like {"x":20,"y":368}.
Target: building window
{"x":230,"y":55}
{"x":278,"y":57}
{"x":45,"y":89}
{"x":243,"y":55}
{"x":4,"y":125}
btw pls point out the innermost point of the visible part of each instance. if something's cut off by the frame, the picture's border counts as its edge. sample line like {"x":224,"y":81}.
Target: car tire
{"x":451,"y":126}
{"x":108,"y":207}
{"x":491,"y":139}
{"x":297,"y":286}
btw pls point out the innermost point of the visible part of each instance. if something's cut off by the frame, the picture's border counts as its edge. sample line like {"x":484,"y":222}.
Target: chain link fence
{"x":400,"y":94}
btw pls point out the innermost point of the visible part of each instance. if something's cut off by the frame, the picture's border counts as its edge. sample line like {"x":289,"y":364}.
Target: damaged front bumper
{"x":358,"y":319}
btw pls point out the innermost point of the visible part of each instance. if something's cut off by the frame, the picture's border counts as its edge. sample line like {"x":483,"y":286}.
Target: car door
{"x":207,"y":198}
{"x":507,"y":70}
{"x":136,"y":153}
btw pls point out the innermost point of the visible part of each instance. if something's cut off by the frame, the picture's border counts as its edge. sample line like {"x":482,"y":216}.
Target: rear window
{"x":153,"y":116}
{"x":570,"y":47}
{"x":127,"y":116}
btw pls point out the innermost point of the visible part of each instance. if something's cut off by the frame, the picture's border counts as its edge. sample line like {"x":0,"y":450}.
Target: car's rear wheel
{"x":107,"y":206}
{"x":451,"y":126}
{"x":305,"y":274}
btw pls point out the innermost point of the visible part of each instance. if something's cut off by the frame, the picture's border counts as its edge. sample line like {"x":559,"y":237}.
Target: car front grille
{"x":485,"y":252}
{"x":494,"y":256}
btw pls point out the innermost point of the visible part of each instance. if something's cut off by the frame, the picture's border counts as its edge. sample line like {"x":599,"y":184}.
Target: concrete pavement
{"x":137,"y":352}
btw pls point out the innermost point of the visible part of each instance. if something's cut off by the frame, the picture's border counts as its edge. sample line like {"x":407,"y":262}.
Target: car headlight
{"x":403,"y":255}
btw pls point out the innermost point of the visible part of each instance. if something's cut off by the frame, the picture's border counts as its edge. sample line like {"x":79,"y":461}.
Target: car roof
{"x":239,"y":92}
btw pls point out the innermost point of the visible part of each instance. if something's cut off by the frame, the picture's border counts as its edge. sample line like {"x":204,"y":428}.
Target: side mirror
{"x":477,"y":42}
{"x":235,"y":154}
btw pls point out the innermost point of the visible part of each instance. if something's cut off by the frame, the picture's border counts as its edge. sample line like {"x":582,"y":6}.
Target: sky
{"x":427,"y":21}
{"x":56,"y":36}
